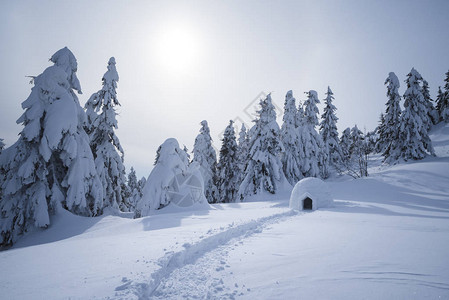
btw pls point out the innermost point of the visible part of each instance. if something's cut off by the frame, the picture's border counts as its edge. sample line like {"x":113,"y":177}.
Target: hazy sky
{"x":181,"y":62}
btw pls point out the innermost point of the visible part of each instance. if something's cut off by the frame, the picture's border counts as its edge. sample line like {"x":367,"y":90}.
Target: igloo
{"x":310,"y":194}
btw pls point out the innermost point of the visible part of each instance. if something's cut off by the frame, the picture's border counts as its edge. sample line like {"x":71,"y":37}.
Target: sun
{"x":178,"y":49}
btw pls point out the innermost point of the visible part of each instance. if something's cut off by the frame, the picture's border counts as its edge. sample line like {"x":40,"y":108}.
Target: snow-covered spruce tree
{"x":2,"y":173}
{"x":345,"y":144}
{"x":134,"y":190}
{"x":187,"y":153}
{"x":51,"y":164}
{"x":388,"y":136}
{"x":204,"y":154}
{"x":228,"y":167}
{"x":289,"y":137}
{"x":358,"y":163}
{"x":413,"y":136}
{"x":440,"y":104}
{"x":315,"y":160}
{"x":105,"y":145}
{"x":432,"y":114}
{"x":443,"y":101}
{"x":371,"y":139}
{"x":2,"y":145}
{"x":264,"y":170}
{"x":328,"y":129}
{"x":130,"y":193}
{"x":242,"y":152}
{"x":300,"y":121}
{"x":157,"y":193}
{"x":380,"y":131}
{"x":140,"y":184}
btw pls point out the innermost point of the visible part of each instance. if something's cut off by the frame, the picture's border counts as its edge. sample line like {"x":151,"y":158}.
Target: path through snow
{"x":192,"y":273}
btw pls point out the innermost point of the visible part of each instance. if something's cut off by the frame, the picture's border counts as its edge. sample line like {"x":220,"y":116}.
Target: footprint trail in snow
{"x":196,"y":272}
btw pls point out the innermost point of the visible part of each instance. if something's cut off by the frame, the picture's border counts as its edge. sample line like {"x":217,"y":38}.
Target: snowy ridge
{"x":191,"y":253}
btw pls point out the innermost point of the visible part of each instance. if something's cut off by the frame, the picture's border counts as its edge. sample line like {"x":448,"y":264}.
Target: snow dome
{"x":310,"y":194}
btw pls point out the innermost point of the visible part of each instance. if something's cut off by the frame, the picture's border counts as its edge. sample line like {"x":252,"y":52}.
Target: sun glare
{"x":178,"y":49}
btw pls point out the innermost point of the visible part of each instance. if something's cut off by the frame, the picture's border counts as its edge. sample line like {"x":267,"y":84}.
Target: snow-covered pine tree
{"x":440,"y":103}
{"x":300,"y":121}
{"x":371,"y":138}
{"x":264,"y":170}
{"x":133,"y":190}
{"x":2,"y":173}
{"x":242,"y":152}
{"x":414,"y":138}
{"x":205,"y":155}
{"x":289,"y":137}
{"x":380,"y":131}
{"x":359,"y":154}
{"x":169,"y":179}
{"x":300,"y":116}
{"x":345,"y":144}
{"x":443,"y":101}
{"x":129,"y":191}
{"x":388,"y":136}
{"x":51,"y":165}
{"x":132,"y":180}
{"x":228,"y":168}
{"x":105,"y":145}
{"x":431,"y":111}
{"x":140,"y":185}
{"x":2,"y":145}
{"x":328,"y":129}
{"x":187,"y":153}
{"x":315,"y":160}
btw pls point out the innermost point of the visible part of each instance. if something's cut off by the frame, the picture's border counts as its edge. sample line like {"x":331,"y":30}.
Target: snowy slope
{"x":386,"y":238}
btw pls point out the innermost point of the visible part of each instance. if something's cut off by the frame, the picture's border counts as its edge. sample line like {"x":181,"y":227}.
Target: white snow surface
{"x":386,"y":237}
{"x":314,"y":188}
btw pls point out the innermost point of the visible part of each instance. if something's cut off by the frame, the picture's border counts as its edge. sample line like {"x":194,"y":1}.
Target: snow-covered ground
{"x":387,"y":237}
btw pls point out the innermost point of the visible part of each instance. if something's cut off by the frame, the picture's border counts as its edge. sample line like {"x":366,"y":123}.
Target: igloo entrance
{"x":307,"y":204}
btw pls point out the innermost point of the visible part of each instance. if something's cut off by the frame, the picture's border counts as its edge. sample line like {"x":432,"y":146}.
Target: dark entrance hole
{"x":307,"y":204}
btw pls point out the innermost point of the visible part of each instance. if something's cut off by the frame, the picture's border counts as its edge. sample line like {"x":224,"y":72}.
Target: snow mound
{"x":310,"y":194}
{"x":440,"y":139}
{"x":172,"y":180}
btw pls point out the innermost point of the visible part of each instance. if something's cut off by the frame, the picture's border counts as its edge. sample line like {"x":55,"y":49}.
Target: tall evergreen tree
{"x":359,"y":151}
{"x":432,"y":113}
{"x":289,"y":137}
{"x":414,"y":138}
{"x":205,"y":155}
{"x":187,"y":153}
{"x":380,"y":131}
{"x":328,"y":129}
{"x":242,"y":151}
{"x":443,"y":101}
{"x":440,"y":103}
{"x":2,"y":172}
{"x":388,"y":136}
{"x":127,"y":191}
{"x":51,"y":165}
{"x":264,"y":170}
{"x":228,"y":168}
{"x":133,"y":190}
{"x":345,"y":144}
{"x":105,"y":145}
{"x":315,"y":160}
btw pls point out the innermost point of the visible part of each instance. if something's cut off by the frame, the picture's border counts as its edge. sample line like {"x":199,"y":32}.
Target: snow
{"x":386,"y":237}
{"x":171,"y":180}
{"x":313,"y":188}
